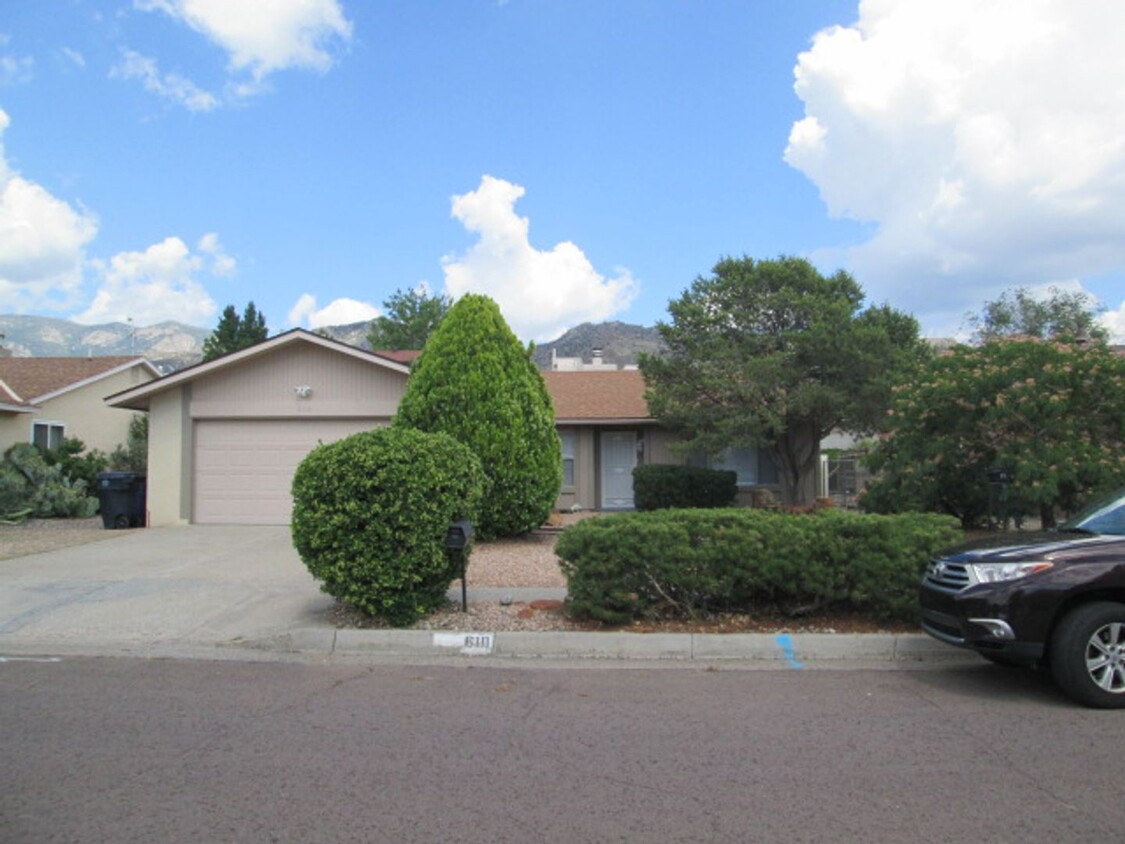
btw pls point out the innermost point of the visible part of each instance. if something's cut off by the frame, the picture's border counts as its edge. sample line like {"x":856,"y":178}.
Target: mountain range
{"x":173,"y":345}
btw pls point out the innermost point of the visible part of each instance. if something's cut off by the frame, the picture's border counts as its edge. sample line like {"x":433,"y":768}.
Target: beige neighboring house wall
{"x":69,"y":392}
{"x":226,"y":436}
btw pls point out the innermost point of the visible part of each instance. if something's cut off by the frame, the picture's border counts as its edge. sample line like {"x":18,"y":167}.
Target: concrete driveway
{"x":159,"y":591}
{"x":217,"y":592}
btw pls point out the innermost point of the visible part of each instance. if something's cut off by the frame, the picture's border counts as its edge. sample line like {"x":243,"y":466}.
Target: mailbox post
{"x":998,"y":481}
{"x":458,"y":536}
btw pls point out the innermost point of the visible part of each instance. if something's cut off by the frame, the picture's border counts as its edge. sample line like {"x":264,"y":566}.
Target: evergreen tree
{"x":476,"y":382}
{"x":234,"y":332}
{"x":411,"y":317}
{"x":772,"y":353}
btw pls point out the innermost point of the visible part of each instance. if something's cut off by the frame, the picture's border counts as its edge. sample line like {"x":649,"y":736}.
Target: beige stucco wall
{"x":82,"y":412}
{"x":169,"y":458}
{"x":339,"y":386}
{"x":14,"y":428}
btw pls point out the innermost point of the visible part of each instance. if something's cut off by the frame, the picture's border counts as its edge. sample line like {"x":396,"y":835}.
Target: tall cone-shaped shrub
{"x":476,"y":382}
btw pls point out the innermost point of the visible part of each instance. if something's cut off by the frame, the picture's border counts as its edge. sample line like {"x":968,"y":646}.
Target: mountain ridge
{"x":172,"y":345}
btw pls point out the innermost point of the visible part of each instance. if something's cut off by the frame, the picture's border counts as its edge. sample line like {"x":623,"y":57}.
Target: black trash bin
{"x":122,"y":499}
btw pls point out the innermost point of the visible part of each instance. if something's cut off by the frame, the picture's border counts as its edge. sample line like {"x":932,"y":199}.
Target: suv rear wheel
{"x":1088,"y":654}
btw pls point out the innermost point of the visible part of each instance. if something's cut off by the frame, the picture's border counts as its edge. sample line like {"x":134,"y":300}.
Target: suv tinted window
{"x":1105,"y":516}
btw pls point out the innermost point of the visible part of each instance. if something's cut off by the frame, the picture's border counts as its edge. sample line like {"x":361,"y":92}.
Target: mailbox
{"x":457,"y":538}
{"x":998,"y":476}
{"x":459,"y":535}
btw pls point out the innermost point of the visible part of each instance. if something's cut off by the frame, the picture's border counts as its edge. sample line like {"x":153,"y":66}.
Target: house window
{"x":569,"y":439}
{"x":752,"y":465}
{"x":47,"y":436}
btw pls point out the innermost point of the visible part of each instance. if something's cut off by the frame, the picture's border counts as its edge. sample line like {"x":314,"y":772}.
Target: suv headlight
{"x":1003,"y":572}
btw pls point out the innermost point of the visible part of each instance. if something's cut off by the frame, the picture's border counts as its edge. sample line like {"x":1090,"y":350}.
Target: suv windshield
{"x":1107,"y":515}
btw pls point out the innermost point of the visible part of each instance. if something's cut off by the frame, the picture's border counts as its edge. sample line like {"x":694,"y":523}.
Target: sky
{"x":576,"y":160}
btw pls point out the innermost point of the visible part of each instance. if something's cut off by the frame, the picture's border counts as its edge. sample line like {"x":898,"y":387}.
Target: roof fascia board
{"x":604,"y":422}
{"x":7,"y":389}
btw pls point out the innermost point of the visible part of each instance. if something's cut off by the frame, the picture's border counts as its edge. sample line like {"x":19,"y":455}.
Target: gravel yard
{"x":36,"y":536}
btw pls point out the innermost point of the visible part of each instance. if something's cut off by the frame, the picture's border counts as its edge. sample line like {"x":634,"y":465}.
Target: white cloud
{"x":221,"y":263}
{"x":540,"y":293}
{"x":983,"y":139}
{"x":264,"y":36}
{"x":1114,"y":323}
{"x":16,"y":70}
{"x":74,"y":57}
{"x":344,"y":311}
{"x":152,"y":286}
{"x":170,"y":86}
{"x":42,"y":243}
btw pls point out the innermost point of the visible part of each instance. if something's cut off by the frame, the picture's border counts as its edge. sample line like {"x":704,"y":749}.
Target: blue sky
{"x":575,"y":160}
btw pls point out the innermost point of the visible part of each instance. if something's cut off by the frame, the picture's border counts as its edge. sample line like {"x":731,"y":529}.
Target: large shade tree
{"x":476,"y":382}
{"x":774,"y":354}
{"x":1048,"y":415}
{"x":408,"y":320}
{"x":1022,"y":313}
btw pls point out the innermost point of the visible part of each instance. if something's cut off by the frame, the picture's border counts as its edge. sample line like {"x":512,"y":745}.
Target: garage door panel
{"x":243,"y":469}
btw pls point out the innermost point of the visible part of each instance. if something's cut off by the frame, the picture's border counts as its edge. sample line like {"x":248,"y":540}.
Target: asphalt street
{"x":136,"y":750}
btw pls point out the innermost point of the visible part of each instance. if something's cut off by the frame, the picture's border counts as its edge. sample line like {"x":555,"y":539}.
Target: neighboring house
{"x":578,"y":364}
{"x":46,"y":400}
{"x":226,"y":436}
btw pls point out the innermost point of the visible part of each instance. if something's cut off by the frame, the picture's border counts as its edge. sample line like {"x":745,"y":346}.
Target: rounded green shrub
{"x":370,"y":515}
{"x":476,"y":382}
{"x":658,"y":486}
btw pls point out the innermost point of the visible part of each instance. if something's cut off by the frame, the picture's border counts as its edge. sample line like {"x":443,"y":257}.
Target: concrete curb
{"x":791,"y":649}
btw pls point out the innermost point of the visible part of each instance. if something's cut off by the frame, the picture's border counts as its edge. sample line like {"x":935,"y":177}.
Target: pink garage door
{"x":243,"y":468}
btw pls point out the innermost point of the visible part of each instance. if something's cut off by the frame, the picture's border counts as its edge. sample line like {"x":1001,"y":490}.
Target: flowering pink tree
{"x":1050,"y":415}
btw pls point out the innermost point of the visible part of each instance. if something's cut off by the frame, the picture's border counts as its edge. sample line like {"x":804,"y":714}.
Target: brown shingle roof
{"x":400,"y":355}
{"x":617,"y":394}
{"x":31,"y":378}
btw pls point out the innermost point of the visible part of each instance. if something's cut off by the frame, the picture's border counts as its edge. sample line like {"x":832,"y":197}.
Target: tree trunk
{"x":1047,"y":516}
{"x":796,"y":452}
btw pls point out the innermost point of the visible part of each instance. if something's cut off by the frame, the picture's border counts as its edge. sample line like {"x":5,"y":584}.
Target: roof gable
{"x":33,"y":380}
{"x":137,"y":398}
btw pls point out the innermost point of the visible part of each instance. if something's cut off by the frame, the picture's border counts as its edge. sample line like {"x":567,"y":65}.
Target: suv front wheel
{"x":1088,"y":654}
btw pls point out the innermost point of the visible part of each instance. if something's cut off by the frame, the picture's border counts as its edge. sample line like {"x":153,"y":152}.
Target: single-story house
{"x":46,"y":400}
{"x":226,"y":436}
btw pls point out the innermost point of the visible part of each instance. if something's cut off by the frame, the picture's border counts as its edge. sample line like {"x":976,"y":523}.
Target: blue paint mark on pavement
{"x":786,"y":644}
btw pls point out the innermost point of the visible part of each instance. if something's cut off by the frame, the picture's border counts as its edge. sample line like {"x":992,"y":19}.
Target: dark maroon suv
{"x":1056,"y":597}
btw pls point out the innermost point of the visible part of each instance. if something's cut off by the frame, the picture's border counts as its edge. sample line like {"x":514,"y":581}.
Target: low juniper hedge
{"x":690,"y":563}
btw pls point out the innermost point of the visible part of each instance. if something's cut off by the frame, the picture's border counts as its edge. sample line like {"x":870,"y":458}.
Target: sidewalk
{"x":241,"y":593}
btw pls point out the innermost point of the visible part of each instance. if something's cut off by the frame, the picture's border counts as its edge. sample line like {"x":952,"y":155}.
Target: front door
{"x":618,"y":457}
